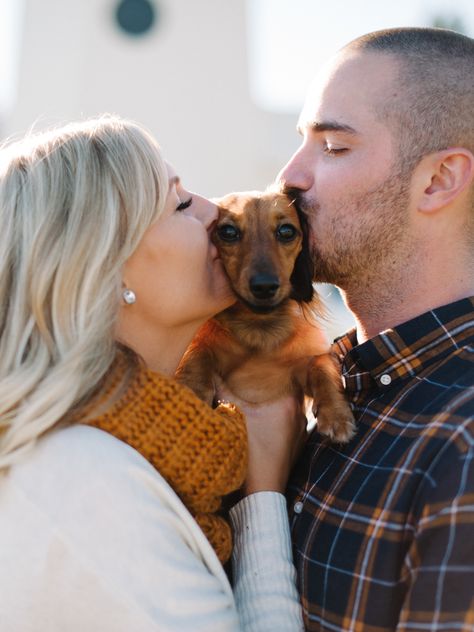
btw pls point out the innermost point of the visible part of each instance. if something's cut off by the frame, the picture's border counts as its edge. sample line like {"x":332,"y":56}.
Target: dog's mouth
{"x":260,"y":307}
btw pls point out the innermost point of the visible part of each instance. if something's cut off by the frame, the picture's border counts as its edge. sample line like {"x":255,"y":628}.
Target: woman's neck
{"x":161,"y":349}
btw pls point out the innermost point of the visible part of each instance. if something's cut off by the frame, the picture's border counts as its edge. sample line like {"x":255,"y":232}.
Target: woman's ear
{"x":444,"y":176}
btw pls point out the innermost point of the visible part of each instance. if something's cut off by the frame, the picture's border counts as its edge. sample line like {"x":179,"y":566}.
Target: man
{"x":383,"y":527}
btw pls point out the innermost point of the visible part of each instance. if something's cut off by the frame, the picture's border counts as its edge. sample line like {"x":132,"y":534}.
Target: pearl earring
{"x":129,"y":296}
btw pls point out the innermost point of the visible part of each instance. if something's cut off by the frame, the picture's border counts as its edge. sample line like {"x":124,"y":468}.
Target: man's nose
{"x":297,"y":173}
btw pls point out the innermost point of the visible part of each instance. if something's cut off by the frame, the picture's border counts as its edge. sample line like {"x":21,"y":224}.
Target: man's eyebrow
{"x":326,"y":126}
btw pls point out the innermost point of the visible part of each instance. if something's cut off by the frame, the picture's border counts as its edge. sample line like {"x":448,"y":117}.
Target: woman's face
{"x":175,"y":272}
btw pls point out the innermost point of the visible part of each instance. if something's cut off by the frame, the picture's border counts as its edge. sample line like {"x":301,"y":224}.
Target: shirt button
{"x":385,"y":379}
{"x":298,"y":507}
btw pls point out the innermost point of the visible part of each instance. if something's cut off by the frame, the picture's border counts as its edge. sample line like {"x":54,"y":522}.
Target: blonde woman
{"x":111,"y":474}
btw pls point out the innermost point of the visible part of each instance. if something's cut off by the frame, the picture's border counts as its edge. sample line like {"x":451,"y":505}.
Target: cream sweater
{"x":94,"y":539}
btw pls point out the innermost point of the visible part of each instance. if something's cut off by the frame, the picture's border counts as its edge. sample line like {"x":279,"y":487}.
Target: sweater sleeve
{"x":264,"y":575}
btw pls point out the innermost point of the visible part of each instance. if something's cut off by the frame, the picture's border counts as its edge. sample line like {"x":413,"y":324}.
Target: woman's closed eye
{"x":184,"y":205}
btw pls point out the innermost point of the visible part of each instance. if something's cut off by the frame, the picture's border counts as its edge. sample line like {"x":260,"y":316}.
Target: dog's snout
{"x":264,"y":285}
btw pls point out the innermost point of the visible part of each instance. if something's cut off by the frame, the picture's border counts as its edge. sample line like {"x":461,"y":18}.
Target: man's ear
{"x":444,"y":176}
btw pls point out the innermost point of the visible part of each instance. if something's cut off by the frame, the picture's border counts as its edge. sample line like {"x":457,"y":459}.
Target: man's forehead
{"x":346,"y":88}
{"x":320,"y":94}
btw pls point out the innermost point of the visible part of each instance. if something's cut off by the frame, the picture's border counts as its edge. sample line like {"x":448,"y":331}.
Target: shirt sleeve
{"x":440,"y":562}
{"x":264,"y":575}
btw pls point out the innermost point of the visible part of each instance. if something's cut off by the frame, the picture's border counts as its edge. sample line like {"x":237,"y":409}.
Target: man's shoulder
{"x":458,"y":364}
{"x":437,"y":391}
{"x":451,"y":384}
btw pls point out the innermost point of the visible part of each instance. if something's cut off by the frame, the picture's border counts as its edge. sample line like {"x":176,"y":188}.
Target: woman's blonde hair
{"x":74,"y":204}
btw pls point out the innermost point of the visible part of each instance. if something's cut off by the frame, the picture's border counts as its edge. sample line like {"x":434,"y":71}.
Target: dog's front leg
{"x":196,"y":371}
{"x":330,"y":407}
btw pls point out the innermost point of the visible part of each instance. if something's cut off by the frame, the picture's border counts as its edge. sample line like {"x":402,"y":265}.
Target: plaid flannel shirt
{"x":383,"y":528}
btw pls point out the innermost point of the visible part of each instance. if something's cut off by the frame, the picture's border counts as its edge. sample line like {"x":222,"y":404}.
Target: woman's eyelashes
{"x":184,"y":205}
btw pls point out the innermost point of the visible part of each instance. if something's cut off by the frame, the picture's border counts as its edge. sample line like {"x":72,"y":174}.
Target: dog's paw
{"x":336,"y":422}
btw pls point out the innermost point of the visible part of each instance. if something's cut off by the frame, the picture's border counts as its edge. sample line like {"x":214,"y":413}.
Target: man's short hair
{"x":432,"y":106}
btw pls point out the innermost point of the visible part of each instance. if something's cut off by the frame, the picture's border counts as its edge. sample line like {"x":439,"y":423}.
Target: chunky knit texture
{"x":201,"y":452}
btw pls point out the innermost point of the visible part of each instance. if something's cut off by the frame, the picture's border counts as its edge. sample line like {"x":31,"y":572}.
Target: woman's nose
{"x":298,"y":173}
{"x":204,"y":210}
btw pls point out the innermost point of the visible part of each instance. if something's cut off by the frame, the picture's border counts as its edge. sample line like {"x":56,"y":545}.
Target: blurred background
{"x":218,"y":82}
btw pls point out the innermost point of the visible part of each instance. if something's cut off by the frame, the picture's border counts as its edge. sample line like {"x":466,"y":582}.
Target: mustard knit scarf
{"x":201,"y":452}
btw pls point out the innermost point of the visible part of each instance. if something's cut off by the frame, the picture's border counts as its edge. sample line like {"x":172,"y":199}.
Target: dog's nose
{"x":264,"y":285}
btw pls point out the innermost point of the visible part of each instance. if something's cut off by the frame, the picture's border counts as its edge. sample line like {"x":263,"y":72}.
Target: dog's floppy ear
{"x":302,"y":276}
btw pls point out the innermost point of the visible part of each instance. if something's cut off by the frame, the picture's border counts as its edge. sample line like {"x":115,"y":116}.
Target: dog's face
{"x":264,"y":248}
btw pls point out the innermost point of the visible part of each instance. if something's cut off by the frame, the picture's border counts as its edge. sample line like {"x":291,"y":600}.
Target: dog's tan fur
{"x":265,"y":347}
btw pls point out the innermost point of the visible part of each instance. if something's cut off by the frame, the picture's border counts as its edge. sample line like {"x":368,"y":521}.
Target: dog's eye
{"x":286,"y":232}
{"x":227,"y":232}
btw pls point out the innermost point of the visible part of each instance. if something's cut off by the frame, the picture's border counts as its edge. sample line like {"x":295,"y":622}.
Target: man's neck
{"x":376,"y":309}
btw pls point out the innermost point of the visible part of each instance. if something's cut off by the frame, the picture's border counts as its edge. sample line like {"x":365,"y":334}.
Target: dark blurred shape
{"x":136,"y":17}
{"x":451,"y":22}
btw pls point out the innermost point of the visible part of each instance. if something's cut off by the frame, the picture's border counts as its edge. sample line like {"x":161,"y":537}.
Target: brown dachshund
{"x":269,"y":342}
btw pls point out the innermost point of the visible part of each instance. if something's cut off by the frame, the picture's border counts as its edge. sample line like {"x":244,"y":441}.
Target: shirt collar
{"x":407,"y":349}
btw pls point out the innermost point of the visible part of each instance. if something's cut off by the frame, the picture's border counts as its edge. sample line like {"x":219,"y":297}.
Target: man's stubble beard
{"x":368,"y":235}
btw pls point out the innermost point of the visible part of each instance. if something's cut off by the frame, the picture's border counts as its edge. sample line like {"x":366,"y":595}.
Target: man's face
{"x":346,"y":174}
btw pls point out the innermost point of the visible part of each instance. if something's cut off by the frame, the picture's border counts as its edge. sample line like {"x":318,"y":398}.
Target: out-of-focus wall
{"x":186,"y":80}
